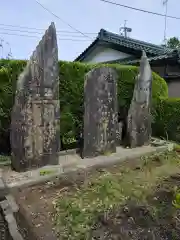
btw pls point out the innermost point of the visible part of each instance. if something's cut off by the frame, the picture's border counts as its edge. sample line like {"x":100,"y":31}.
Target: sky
{"x":88,"y":16}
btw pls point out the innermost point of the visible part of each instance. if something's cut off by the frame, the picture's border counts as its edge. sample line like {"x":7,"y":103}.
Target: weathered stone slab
{"x":35,"y":134}
{"x":139,"y":115}
{"x":122,"y":125}
{"x":119,"y":133}
{"x":100,"y":112}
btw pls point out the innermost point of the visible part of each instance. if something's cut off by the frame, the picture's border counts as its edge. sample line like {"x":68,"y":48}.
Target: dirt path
{"x":140,"y":191}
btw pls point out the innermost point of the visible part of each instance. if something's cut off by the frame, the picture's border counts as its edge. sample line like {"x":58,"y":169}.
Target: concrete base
{"x":72,"y":162}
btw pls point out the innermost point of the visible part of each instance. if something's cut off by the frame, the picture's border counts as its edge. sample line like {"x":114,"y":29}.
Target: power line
{"x":40,"y":29}
{"x":26,"y":31}
{"x":140,"y":10}
{"x":2,"y":41}
{"x":17,"y":30}
{"x":61,"y":39}
{"x":75,"y":29}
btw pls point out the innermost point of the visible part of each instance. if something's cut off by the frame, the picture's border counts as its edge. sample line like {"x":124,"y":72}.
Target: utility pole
{"x":165,"y":3}
{"x":125,"y":30}
{"x":1,"y":46}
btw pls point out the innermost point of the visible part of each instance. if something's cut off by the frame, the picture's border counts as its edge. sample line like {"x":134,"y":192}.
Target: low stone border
{"x":8,"y":211}
{"x":61,"y":153}
{"x":9,"y":207}
{"x":67,"y":152}
{"x":101,"y":161}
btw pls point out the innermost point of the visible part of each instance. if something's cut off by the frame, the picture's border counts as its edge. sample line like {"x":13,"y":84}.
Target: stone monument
{"x":35,"y":133}
{"x":100,"y":112}
{"x":139,"y":114}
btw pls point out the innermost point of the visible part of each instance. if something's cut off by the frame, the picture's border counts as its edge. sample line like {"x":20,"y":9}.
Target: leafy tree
{"x":173,"y":42}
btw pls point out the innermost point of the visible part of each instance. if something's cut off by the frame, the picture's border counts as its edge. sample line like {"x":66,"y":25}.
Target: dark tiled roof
{"x":118,"y":40}
{"x":151,"y":59}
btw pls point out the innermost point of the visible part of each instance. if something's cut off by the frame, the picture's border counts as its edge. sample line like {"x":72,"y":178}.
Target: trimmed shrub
{"x":72,"y":84}
{"x":71,"y":91}
{"x":167,"y":119}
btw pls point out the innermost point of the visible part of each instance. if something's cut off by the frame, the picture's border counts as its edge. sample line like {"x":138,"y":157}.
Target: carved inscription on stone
{"x":139,"y":115}
{"x":100,"y":112}
{"x":35,"y":134}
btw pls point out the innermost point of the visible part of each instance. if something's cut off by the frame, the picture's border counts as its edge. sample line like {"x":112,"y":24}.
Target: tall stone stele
{"x":35,"y":133}
{"x":100,"y":112}
{"x":139,"y":115}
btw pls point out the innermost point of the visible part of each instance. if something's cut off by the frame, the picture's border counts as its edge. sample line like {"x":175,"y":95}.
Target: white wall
{"x":173,"y":89}
{"x":103,"y":54}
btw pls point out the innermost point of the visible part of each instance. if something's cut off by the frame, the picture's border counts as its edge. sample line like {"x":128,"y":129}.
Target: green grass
{"x":78,"y":208}
{"x":5,"y":159}
{"x":177,"y":147}
{"x":46,"y":172}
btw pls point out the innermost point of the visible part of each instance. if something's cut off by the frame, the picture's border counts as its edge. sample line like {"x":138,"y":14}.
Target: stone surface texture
{"x":139,"y":115}
{"x":35,"y":133}
{"x":100,"y":112}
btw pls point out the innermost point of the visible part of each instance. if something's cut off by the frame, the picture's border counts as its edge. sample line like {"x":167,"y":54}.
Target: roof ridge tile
{"x":105,"y":36}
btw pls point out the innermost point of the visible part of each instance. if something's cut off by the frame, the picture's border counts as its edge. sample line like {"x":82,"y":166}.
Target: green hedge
{"x":9,"y":71}
{"x":71,"y":91}
{"x":167,"y":119}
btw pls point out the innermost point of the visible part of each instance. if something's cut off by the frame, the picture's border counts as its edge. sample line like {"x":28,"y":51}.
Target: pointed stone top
{"x":144,"y":59}
{"x":52,"y":25}
{"x":50,"y":33}
{"x":51,"y":29}
{"x":144,"y":64}
{"x":144,"y":54}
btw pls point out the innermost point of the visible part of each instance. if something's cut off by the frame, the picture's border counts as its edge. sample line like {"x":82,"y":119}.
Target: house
{"x":114,"y":48}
